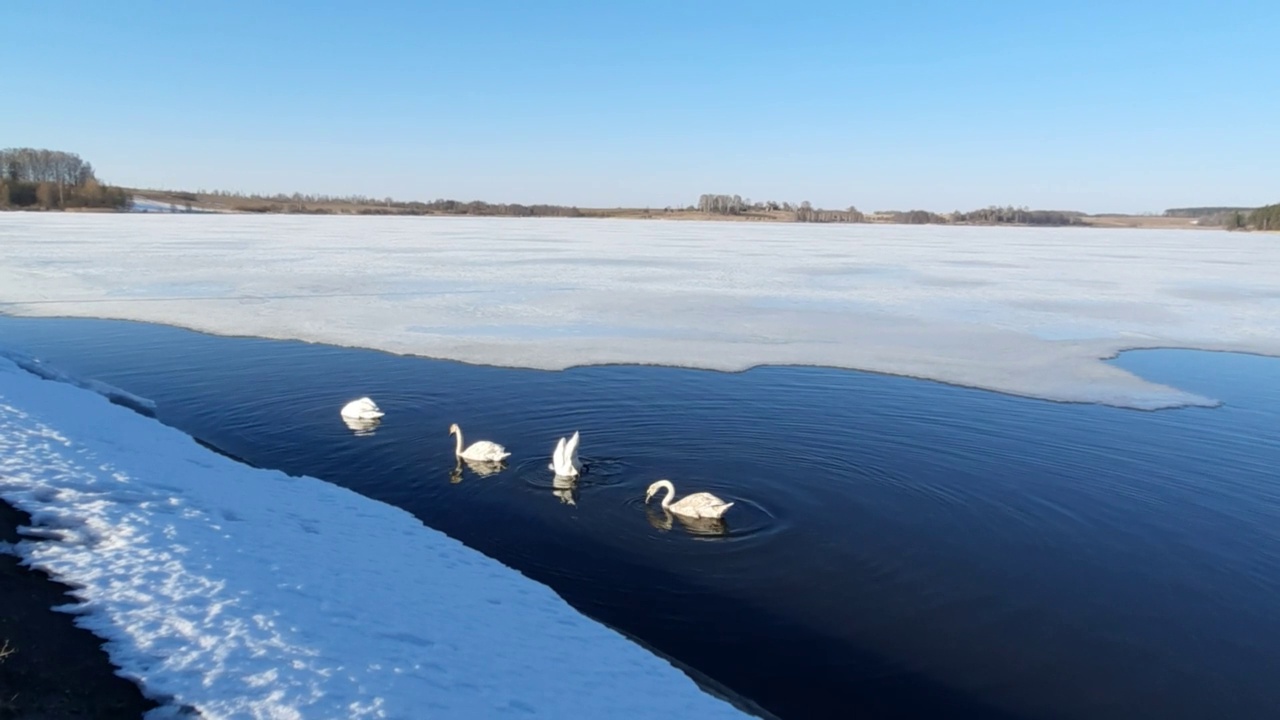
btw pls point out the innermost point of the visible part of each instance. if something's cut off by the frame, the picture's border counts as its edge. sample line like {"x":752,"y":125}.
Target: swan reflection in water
{"x":362,"y":427}
{"x":705,"y":526}
{"x":483,"y":468}
{"x":565,"y":488}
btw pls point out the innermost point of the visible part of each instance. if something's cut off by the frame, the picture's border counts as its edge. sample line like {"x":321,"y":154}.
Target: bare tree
{"x":721,"y":204}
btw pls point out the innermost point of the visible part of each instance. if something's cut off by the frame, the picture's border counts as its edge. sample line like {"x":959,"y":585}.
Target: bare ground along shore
{"x":55,"y":669}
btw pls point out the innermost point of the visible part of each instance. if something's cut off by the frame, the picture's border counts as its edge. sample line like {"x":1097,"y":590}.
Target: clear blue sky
{"x":1098,"y":106}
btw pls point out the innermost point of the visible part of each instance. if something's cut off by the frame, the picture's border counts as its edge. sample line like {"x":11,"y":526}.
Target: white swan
{"x":698,"y":505}
{"x":362,"y":409}
{"x":564,"y":459}
{"x":481,"y":450}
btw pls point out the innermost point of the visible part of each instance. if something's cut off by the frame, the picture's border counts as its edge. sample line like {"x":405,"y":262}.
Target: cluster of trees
{"x":1010,"y":215}
{"x":51,"y":180}
{"x":914,"y":217}
{"x":723,"y":204}
{"x":1263,"y":218}
{"x":804,"y":212}
{"x":808,"y":213}
{"x":479,"y":207}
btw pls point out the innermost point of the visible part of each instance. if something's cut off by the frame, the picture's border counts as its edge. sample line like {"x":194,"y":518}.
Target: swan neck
{"x":458,"y":448}
{"x":671,"y":491}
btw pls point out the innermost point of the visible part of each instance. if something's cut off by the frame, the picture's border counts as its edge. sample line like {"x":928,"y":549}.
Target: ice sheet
{"x":1028,"y":311}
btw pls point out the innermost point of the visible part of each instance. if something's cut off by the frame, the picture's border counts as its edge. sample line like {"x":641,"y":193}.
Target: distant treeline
{"x":1232,"y":218}
{"x":986,"y":216}
{"x":1201,"y":212}
{"x":53,"y":180}
{"x":1018,"y":216}
{"x":363,"y":205}
{"x":805,"y":212}
{"x":479,"y":207}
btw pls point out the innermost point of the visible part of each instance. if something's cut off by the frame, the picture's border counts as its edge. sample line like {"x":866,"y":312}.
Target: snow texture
{"x":1027,"y":311}
{"x":238,"y":592}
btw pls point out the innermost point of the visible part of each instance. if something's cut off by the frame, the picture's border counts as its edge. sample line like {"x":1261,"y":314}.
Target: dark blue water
{"x":900,"y":549}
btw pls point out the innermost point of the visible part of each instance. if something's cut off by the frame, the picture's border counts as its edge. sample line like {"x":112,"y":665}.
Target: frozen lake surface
{"x":1026,"y":311}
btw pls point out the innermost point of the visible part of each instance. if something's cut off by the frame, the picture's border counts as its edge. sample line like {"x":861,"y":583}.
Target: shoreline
{"x":1124,"y":222}
{"x":73,"y":676}
{"x":56,"y":669}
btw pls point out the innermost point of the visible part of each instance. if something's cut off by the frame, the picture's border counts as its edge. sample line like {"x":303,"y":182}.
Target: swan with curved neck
{"x":362,"y":409}
{"x":698,"y":505}
{"x":564,"y":459}
{"x":482,"y":450}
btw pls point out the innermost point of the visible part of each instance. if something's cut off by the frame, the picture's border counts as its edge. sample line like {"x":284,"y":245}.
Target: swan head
{"x":655,"y":487}
{"x":453,"y":429}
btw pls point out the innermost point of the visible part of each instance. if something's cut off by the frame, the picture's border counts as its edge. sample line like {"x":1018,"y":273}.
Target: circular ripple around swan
{"x":747,"y":520}
{"x":596,"y":472}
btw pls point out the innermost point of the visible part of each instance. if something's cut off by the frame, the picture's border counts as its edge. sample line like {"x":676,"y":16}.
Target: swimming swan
{"x":482,"y":450}
{"x":362,"y":409}
{"x":699,"y":505}
{"x":564,"y":459}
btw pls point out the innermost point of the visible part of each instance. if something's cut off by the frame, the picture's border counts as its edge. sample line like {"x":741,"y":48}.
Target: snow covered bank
{"x":248,"y":593}
{"x":1020,"y":310}
{"x":35,"y":366}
